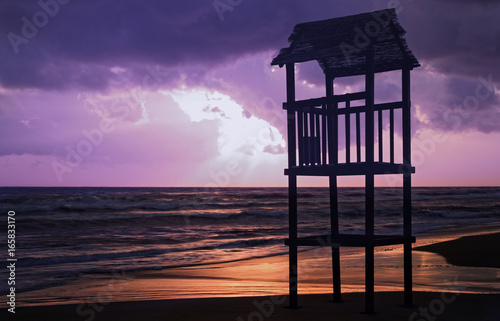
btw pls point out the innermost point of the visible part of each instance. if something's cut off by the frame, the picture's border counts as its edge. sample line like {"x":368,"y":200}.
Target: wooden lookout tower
{"x":359,"y":45}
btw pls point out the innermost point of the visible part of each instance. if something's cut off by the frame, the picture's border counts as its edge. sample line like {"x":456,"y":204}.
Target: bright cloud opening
{"x":239,"y":134}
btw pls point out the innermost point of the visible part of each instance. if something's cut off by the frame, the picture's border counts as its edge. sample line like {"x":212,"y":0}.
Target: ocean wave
{"x":107,"y":256}
{"x":69,"y":231}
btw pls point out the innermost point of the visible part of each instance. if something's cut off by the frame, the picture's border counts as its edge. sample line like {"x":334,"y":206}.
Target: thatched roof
{"x":339,"y":45}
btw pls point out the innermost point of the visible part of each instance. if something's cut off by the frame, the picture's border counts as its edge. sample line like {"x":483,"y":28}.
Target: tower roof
{"x":340,"y":44}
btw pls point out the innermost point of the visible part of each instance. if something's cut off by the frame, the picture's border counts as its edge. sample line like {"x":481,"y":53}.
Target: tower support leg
{"x":369,"y":248}
{"x":334,"y":219}
{"x":408,"y":279}
{"x":292,"y":230}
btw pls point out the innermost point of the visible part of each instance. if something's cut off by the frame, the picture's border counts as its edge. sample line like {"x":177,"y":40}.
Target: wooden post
{"x":292,"y":190}
{"x":312,"y":144}
{"x":380,"y":136}
{"x":317,"y":137}
{"x":324,"y":136}
{"x":307,"y":152}
{"x":370,"y":100}
{"x":332,"y":122}
{"x":369,"y":183}
{"x":290,"y":98}
{"x":347,"y":132}
{"x":300,"y":136}
{"x":334,"y":220}
{"x":358,"y":138}
{"x":334,"y":210}
{"x":408,"y":292}
{"x":391,"y":134}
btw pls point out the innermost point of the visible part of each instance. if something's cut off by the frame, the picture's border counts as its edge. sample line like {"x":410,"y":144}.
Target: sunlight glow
{"x":239,"y":134}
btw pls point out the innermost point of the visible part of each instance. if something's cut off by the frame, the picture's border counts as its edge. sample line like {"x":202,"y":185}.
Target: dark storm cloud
{"x":162,"y":43}
{"x":459,"y":40}
{"x":84,"y":39}
{"x":470,"y":104}
{"x":455,"y":37}
{"x":79,"y":41}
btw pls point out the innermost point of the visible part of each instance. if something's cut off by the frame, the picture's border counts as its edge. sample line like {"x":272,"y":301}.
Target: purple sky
{"x":181,"y":93}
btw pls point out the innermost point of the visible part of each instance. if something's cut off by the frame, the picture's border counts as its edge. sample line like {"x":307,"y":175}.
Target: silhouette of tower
{"x":363,"y":44}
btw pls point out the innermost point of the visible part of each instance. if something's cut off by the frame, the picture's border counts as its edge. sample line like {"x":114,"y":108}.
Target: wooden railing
{"x":318,"y":125}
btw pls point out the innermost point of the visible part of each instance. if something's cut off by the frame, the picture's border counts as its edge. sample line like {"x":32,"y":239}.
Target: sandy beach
{"x":439,"y":305}
{"x":256,"y":289}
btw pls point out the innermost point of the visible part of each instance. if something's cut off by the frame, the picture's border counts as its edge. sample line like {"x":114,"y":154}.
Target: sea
{"x":63,"y":234}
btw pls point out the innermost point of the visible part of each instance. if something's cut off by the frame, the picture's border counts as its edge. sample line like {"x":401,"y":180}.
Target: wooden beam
{"x":407,"y":231}
{"x":312,"y":143}
{"x":290,"y":98}
{"x":406,"y":117}
{"x":300,"y":136}
{"x":334,"y":229}
{"x":353,"y":109}
{"x":329,"y":99}
{"x":369,"y":184}
{"x":292,"y":236}
{"x":343,"y":169}
{"x":324,"y":137}
{"x":307,"y":152}
{"x":331,"y":121}
{"x":292,"y":190}
{"x":317,"y":142}
{"x":347,"y":132}
{"x":370,"y":102}
{"x":380,"y":137}
{"x":351,"y":240}
{"x":358,"y":137}
{"x":391,"y":134}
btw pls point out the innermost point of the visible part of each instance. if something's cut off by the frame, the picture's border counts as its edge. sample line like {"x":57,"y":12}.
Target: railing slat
{"x":324,"y":136}
{"x":335,"y":122}
{"x":380,"y":137}
{"x":316,"y":102}
{"x":317,"y":152}
{"x":330,"y":118}
{"x":391,"y":134}
{"x":358,"y":137}
{"x":300,"y":135}
{"x":306,"y":140}
{"x":311,"y":138}
{"x":347,"y":132}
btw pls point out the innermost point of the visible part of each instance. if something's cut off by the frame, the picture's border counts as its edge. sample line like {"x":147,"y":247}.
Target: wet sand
{"x":233,"y":291}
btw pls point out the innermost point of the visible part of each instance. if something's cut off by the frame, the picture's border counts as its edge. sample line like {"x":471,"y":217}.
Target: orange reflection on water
{"x":269,"y":276}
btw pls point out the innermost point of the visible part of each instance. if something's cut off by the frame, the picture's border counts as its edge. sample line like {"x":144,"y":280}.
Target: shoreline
{"x":480,"y":250}
{"x":269,"y":276}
